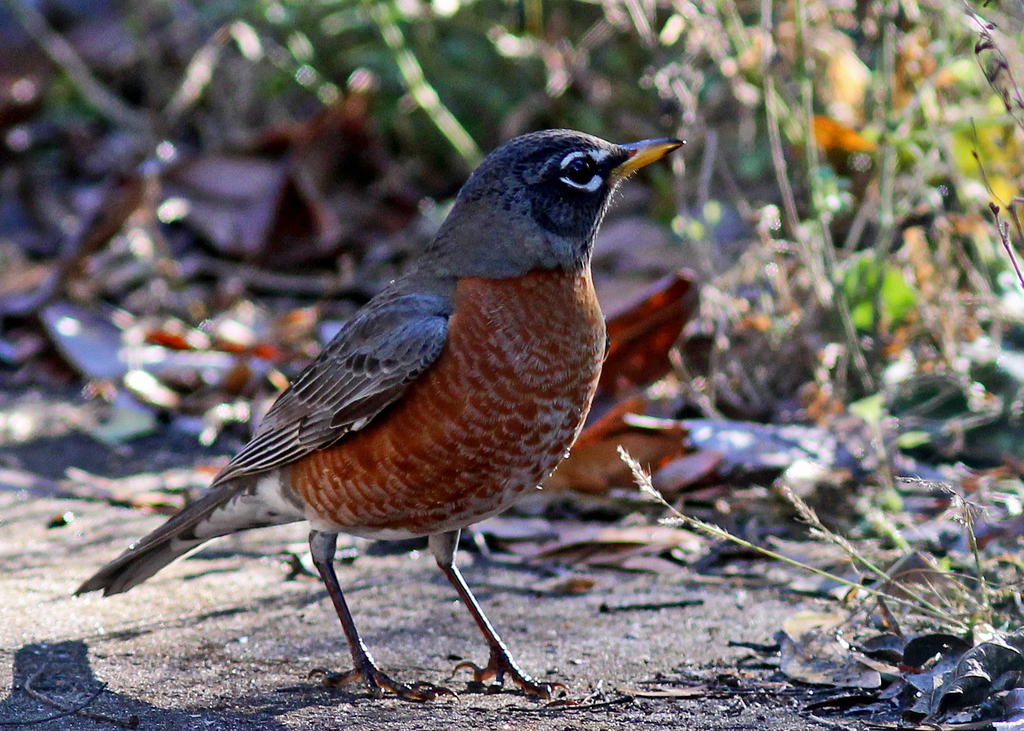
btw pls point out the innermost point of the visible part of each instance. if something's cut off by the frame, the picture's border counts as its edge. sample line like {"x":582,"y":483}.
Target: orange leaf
{"x":832,"y":137}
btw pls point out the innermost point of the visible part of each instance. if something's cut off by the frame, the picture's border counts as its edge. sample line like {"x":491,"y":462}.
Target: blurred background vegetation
{"x":845,"y":154}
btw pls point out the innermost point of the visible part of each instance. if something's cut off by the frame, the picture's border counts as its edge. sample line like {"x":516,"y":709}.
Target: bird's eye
{"x":580,"y":171}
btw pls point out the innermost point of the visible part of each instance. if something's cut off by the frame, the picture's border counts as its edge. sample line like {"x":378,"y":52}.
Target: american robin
{"x":442,"y":401}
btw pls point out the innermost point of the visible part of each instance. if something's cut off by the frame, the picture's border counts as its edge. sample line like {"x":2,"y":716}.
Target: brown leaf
{"x":339,"y":177}
{"x":629,"y":548}
{"x":641,"y":334}
{"x":160,"y":492}
{"x":170,"y":332}
{"x":833,"y":137}
{"x":594,"y":463}
{"x":121,"y":199}
{"x":307,"y":191}
{"x":231,"y":199}
{"x":571,"y":586}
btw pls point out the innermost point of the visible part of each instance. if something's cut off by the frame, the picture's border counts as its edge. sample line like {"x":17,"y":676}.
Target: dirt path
{"x":224,"y":641}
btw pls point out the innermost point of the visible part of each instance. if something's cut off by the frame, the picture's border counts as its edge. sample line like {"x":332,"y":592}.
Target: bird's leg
{"x":500,"y":663}
{"x":322,"y":545}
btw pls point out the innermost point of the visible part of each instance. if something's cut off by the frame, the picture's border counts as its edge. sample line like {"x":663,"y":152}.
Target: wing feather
{"x":368,"y":365}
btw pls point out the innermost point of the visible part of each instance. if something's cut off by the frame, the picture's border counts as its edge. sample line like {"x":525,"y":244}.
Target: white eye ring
{"x":595,"y":182}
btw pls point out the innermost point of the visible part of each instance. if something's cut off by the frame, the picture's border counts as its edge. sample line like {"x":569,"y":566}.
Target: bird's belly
{"x":487,"y":422}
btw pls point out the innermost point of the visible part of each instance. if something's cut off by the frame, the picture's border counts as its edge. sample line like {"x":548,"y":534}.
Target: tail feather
{"x":136,"y":565}
{"x":227,"y":508}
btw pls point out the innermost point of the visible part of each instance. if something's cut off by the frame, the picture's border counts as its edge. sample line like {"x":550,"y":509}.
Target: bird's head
{"x":536,"y":203}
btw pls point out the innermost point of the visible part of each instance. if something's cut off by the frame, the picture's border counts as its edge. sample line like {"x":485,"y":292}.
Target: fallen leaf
{"x":684,"y":471}
{"x":812,"y":653}
{"x":615,"y":547}
{"x":643,"y":332}
{"x":594,"y":464}
{"x":572,"y":586}
{"x":88,"y":339}
{"x":696,"y":691}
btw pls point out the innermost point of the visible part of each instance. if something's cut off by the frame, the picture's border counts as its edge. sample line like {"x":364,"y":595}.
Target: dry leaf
{"x":812,"y":653}
{"x":642,"y":333}
{"x":594,"y":464}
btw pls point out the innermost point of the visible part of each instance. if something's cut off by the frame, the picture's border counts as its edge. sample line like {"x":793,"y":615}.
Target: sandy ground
{"x":224,"y":640}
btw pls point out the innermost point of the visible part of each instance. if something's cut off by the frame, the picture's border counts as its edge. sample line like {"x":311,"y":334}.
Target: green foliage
{"x":877,"y":293}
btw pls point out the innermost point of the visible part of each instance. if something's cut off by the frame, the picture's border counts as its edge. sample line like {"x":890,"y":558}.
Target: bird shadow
{"x":54,"y":688}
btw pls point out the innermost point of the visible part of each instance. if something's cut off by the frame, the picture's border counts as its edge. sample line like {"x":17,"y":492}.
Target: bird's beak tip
{"x":645,"y":152}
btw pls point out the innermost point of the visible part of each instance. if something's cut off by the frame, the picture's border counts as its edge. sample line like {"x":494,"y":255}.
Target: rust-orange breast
{"x":489,"y":420}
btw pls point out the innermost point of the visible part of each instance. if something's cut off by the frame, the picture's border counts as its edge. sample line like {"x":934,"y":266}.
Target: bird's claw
{"x":501,"y":665}
{"x":379,"y":684}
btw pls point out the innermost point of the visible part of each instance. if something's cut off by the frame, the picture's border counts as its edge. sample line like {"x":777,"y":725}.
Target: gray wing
{"x":368,"y":365}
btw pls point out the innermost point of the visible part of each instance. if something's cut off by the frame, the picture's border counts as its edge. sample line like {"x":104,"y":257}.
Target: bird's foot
{"x":380,"y":684}
{"x":501,"y":665}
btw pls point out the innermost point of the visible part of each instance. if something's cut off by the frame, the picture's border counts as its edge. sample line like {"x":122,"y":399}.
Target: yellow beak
{"x":644,"y":153}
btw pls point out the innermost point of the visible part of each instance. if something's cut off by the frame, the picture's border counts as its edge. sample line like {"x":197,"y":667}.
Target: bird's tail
{"x":227,"y":508}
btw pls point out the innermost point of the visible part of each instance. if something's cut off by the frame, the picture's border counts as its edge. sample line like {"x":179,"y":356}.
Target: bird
{"x":443,"y":400}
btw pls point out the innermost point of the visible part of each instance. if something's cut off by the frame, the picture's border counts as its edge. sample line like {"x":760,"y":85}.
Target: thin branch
{"x":420,"y":89}
{"x":1004,"y":236}
{"x":64,"y":55}
{"x":66,"y":710}
{"x":197,"y":76}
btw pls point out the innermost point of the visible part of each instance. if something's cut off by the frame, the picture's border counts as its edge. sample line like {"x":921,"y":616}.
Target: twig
{"x":865,"y":210}
{"x":533,"y":17}
{"x":887,"y":172}
{"x":1003,"y":229}
{"x":15,"y":480}
{"x":66,"y":710}
{"x":642,"y":23}
{"x":424,"y":94}
{"x":827,"y":250}
{"x":62,"y":54}
{"x":197,"y":76}
{"x":707,"y":168}
{"x":564,"y":707}
{"x":791,"y":218}
{"x":999,"y":74}
{"x":821,"y":267}
{"x":320,"y":286}
{"x":56,"y":716}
